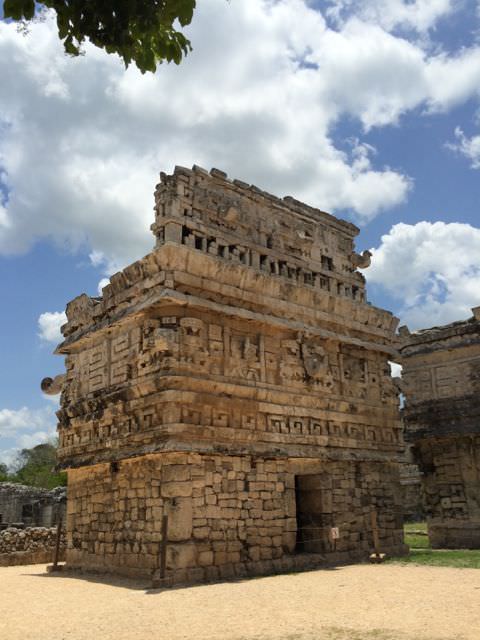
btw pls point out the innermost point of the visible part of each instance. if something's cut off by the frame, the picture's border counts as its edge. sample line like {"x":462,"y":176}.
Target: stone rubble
{"x":30,"y":545}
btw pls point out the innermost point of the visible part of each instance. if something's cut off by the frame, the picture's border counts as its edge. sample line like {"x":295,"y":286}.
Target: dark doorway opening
{"x":314,"y":514}
{"x":27,"y":513}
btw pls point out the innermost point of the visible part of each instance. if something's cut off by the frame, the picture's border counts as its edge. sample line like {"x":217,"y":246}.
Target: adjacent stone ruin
{"x":441,"y":376}
{"x":30,"y":506}
{"x":236,"y":381}
{"x":28,"y":519}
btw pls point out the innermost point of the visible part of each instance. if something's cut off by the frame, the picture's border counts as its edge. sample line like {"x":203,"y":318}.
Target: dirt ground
{"x":360,"y":602}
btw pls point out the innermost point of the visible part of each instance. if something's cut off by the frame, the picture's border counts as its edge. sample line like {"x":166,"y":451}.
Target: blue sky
{"x":369,"y":109}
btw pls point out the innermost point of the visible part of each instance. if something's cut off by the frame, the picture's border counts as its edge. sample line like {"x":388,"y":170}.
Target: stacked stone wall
{"x":29,"y":546}
{"x":228,"y":516}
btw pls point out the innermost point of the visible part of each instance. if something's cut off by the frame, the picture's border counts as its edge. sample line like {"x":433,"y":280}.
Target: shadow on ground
{"x":96,"y":578}
{"x":145,"y":584}
{"x":337,"y":633}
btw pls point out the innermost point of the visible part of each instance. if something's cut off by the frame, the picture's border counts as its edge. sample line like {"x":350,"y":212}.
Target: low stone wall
{"x":29,"y":546}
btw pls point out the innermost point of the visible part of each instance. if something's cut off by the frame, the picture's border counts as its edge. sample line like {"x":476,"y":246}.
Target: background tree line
{"x":35,"y":467}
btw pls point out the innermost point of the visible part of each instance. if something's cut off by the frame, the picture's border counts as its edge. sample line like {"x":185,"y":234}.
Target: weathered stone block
{"x":181,"y":556}
{"x":176,"y":489}
{"x":180,"y":519}
{"x":176,"y":473}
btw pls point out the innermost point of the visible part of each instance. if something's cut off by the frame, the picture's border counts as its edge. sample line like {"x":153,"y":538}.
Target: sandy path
{"x":348,"y":603}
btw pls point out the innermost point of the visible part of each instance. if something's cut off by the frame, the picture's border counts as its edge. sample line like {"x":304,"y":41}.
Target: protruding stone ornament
{"x":362,"y":261}
{"x":53,"y":386}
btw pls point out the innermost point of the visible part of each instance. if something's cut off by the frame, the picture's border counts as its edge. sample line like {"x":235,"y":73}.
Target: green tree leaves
{"x":3,"y":472}
{"x":139,"y":31}
{"x":36,"y":468}
{"x":18,"y":9}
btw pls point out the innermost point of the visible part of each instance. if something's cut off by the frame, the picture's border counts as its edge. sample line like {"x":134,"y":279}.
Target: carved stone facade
{"x":236,"y":380}
{"x":441,"y":376}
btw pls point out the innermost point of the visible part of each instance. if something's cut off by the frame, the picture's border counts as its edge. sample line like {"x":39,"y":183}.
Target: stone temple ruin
{"x":441,"y":375}
{"x":227,"y":407}
{"x":30,"y":506}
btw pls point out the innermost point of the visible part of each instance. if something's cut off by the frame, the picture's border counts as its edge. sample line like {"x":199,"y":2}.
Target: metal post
{"x":57,"y":544}
{"x":163,"y":547}
{"x":376,"y":541}
{"x":376,"y":556}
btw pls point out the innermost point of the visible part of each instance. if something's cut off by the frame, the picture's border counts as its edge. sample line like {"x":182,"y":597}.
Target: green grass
{"x":463,"y":559}
{"x":413,"y":535}
{"x":421,"y":553}
{"x":415,"y":526}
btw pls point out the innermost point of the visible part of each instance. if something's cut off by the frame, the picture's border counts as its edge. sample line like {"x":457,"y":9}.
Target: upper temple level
{"x":224,"y":242}
{"x":441,"y":378}
{"x":441,"y":362}
{"x":241,"y":223}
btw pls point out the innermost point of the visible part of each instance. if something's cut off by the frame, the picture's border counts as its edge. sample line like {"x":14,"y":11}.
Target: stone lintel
{"x":392,"y":453}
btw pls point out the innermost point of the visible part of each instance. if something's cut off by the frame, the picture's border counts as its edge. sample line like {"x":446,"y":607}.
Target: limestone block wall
{"x":227,"y":515}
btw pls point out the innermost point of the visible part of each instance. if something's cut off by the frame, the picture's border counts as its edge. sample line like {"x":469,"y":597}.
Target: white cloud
{"x":49,"y":324}
{"x":82,"y":140}
{"x":103,"y":283}
{"x":8,"y":456}
{"x":468,"y":147}
{"x":395,"y":369}
{"x":16,"y":421}
{"x":29,"y":440}
{"x":4,"y":221}
{"x":241,"y":101}
{"x":422,"y":266}
{"x":453,"y":79}
{"x":420,"y":15}
{"x":24,"y":428}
